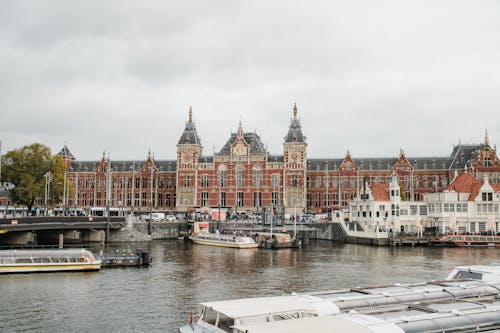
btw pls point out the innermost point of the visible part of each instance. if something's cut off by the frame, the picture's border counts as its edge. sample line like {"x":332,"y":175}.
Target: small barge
{"x":268,"y":240}
{"x":54,"y":260}
{"x":126,"y":259}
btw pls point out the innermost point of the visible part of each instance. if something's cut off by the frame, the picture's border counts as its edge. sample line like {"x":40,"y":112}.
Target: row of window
{"x":240,"y":199}
{"x":221,"y":180}
{"x":143,"y":200}
{"x":355,"y":181}
{"x":125,"y":182}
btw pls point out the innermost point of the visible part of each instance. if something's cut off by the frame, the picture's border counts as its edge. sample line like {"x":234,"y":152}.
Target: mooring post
{"x":61,"y":241}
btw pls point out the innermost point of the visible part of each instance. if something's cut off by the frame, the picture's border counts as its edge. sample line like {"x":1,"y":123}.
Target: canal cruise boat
{"x":202,"y":236}
{"x":468,"y":240}
{"x":53,"y":260}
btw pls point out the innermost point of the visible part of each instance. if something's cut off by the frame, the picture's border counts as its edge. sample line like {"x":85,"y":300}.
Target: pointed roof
{"x":66,"y":154}
{"x":294,"y":134}
{"x":189,"y":136}
{"x":466,"y":183}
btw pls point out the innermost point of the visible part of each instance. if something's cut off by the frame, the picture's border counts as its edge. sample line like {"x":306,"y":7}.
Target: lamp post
{"x":108,"y":186}
{"x":132,"y":194}
{"x":47,"y":191}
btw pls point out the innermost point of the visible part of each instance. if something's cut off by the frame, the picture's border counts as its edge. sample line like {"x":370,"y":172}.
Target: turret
{"x":189,"y":151}
{"x":295,"y":164}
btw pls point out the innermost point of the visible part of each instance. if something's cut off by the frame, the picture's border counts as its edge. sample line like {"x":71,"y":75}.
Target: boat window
{"x":482,"y":238}
{"x":468,"y":239}
{"x":210,"y":316}
{"x":225,"y":323}
{"x":465,"y":274}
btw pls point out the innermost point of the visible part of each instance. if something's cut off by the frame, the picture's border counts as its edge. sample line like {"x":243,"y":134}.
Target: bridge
{"x":32,"y":230}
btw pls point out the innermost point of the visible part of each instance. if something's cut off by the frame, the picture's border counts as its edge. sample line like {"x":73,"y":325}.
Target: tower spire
{"x":295,"y":111}
{"x":486,"y":140}
{"x":190,"y":114}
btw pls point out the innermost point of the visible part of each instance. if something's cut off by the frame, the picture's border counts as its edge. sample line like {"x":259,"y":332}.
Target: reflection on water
{"x":159,"y":298}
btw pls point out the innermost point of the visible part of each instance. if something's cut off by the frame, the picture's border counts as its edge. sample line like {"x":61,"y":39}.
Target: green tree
{"x":402,"y":191}
{"x":26,"y":169}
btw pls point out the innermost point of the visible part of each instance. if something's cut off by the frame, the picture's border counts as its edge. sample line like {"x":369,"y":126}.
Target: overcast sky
{"x":368,"y":76}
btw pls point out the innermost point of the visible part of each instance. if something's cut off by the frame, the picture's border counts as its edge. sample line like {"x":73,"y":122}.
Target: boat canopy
{"x":249,"y":307}
{"x":47,"y":254}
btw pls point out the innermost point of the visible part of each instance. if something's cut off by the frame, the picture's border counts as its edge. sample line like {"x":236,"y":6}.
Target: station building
{"x":243,"y":177}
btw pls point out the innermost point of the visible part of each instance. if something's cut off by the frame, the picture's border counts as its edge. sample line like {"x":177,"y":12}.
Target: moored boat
{"x":215,"y":239}
{"x":202,"y":236}
{"x":54,"y":260}
{"x":468,"y":240}
{"x":268,"y":240}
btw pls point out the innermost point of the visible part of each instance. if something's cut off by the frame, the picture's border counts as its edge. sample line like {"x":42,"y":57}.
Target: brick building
{"x":244,"y":177}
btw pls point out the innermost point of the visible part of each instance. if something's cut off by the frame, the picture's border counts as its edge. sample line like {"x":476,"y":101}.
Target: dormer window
{"x":487,"y":196}
{"x":487,"y":162}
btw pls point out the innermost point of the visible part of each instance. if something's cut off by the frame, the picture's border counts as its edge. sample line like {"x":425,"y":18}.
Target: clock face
{"x":294,"y":157}
{"x":186,"y":158}
{"x":240,"y":149}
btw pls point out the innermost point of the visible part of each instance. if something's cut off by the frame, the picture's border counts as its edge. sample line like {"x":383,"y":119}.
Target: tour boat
{"x":468,"y":300}
{"x":54,"y":260}
{"x":468,"y":240}
{"x":201,"y":235}
{"x":216,"y":239}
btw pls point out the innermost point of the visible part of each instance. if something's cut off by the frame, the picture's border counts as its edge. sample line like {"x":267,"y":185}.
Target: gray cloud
{"x":371,"y":77}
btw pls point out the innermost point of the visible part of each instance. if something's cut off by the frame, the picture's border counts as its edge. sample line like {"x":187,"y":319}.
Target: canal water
{"x":159,"y":298}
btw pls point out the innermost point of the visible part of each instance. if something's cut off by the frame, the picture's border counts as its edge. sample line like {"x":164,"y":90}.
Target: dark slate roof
{"x":65,"y":153}
{"x":206,"y":159}
{"x":324,"y":164}
{"x":373,"y":163}
{"x":294,"y":134}
{"x":275,"y":158}
{"x":121,"y":166}
{"x":189,"y":136}
{"x":381,"y":164}
{"x":463,"y":155}
{"x":253,"y":140}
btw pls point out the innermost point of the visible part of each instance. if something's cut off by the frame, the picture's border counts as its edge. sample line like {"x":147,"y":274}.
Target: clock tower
{"x":189,"y":151}
{"x":295,"y":165}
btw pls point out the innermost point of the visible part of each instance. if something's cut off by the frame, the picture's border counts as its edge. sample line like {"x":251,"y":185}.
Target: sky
{"x":371,"y":77}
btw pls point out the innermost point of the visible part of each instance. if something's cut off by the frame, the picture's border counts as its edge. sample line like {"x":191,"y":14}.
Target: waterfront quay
{"x":28,"y":231}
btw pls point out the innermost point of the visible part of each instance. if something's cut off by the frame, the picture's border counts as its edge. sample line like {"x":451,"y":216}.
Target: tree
{"x":26,"y":168}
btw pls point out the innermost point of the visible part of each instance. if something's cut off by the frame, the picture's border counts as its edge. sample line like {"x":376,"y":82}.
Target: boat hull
{"x":49,"y":267}
{"x":224,"y":244}
{"x":468,"y":241}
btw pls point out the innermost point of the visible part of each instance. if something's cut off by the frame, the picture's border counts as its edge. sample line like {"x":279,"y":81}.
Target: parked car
{"x":170,"y":218}
{"x":158,"y":217}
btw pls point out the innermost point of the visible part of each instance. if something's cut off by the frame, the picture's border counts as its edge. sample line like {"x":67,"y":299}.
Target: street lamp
{"x":47,"y":191}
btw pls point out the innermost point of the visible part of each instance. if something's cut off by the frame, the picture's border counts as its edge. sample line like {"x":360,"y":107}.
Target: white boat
{"x":239,"y":242}
{"x":202,"y":236}
{"x":416,"y":307}
{"x":54,"y":260}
